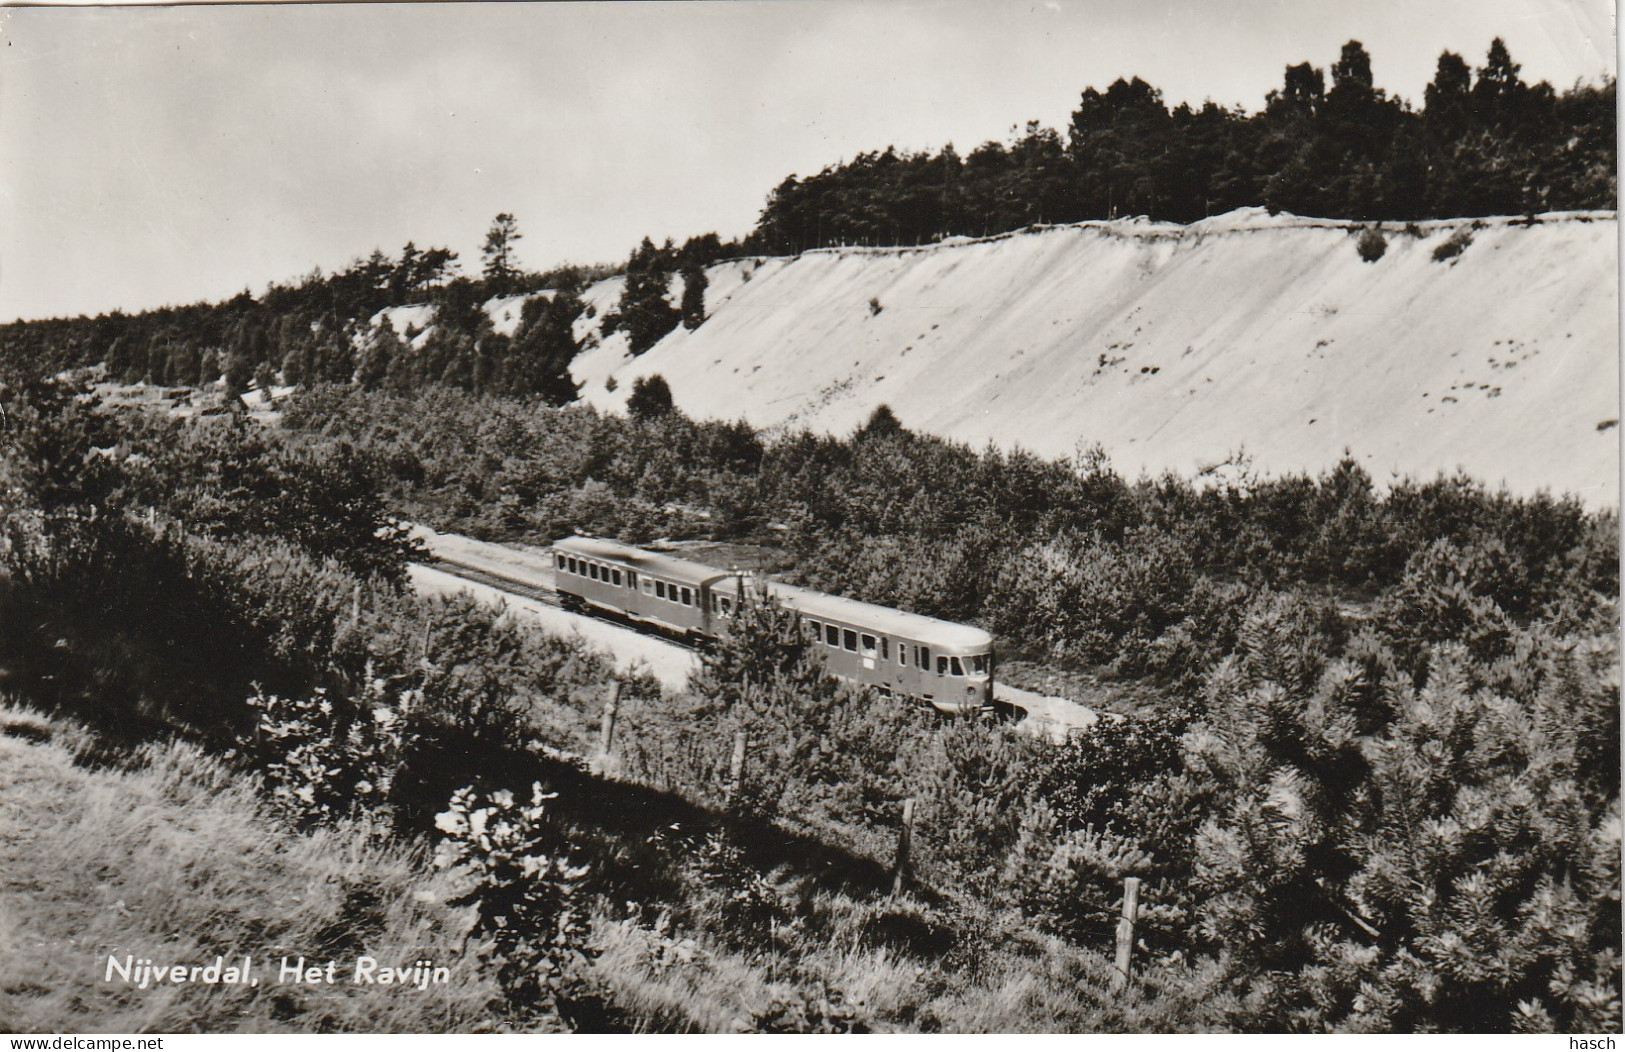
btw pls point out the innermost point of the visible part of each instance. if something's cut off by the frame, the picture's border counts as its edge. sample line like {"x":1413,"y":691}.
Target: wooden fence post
{"x":905,"y":842}
{"x":736,"y":767}
{"x":606,"y":736}
{"x":1125,"y":932}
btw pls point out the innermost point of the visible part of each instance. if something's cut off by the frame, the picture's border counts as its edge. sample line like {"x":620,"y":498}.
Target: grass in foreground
{"x":169,"y":855}
{"x":165,"y":853}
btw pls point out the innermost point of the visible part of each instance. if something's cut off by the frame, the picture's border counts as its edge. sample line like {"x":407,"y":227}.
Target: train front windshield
{"x":972,"y":665}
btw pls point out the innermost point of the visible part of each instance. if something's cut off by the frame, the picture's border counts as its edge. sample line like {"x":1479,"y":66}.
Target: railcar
{"x":939,"y":663}
{"x":679,"y":595}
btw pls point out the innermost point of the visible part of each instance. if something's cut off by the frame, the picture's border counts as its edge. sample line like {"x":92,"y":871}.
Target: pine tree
{"x":767,"y":679}
{"x":500,"y":270}
{"x":1448,"y":97}
{"x":1499,"y":94}
{"x":650,"y":398}
{"x":1442,"y":867}
{"x":545,"y":345}
{"x":645,"y":313}
{"x":241,"y":359}
{"x":694,"y":283}
{"x":381,"y":349}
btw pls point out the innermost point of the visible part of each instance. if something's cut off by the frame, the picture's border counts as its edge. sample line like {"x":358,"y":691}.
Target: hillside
{"x":1177,"y":346}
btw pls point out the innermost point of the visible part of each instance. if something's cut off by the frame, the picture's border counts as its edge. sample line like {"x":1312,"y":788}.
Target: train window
{"x":817,"y":630}
{"x":632,"y":580}
{"x":614,"y":577}
{"x":573,"y":565}
{"x":942,"y":665}
{"x":592,"y":571}
{"x":902,"y":654}
{"x":885,"y":647}
{"x":660,"y":589}
{"x":727,"y":606}
{"x":850,"y":639}
{"x":688,"y":597}
{"x":868,"y":645}
{"x":978,"y":664}
{"x":832,"y":635}
{"x":648,"y":587}
{"x":562,"y":562}
{"x":922,"y":657}
{"x":958,"y":669}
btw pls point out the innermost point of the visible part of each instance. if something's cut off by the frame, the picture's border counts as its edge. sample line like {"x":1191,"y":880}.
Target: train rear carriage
{"x":946,"y":665}
{"x":676,"y":594}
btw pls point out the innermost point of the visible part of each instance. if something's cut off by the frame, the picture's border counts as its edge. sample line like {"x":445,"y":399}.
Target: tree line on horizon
{"x":320,"y":329}
{"x":1484,"y":143}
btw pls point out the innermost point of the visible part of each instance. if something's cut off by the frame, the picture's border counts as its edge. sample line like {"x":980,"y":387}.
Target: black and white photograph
{"x":925,"y":517}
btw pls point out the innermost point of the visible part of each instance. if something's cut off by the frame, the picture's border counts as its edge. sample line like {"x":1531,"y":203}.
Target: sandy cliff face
{"x":1174,"y":347}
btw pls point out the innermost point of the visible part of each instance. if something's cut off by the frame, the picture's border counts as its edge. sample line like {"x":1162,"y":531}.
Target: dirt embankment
{"x":1487,"y":346}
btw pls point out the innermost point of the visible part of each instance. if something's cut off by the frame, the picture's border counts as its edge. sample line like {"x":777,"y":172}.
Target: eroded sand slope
{"x":1174,"y":347}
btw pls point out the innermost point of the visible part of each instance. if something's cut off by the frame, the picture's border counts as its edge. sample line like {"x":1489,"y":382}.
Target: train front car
{"x":938,"y":663}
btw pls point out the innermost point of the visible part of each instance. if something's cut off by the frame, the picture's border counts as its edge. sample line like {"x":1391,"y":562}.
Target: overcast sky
{"x":165,"y":155}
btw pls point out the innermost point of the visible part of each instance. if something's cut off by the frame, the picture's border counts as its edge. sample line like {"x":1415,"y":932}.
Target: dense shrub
{"x":1371,"y":244}
{"x":1443,"y":870}
{"x":1453,"y":246}
{"x":324,"y":760}
{"x":529,"y":902}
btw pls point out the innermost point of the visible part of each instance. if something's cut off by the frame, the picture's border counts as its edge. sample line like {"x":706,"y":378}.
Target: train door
{"x":632,"y":600}
{"x":868,"y":651}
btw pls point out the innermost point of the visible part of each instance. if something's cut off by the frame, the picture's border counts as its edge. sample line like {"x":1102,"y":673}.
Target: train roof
{"x":896,"y":623}
{"x":668,"y":566}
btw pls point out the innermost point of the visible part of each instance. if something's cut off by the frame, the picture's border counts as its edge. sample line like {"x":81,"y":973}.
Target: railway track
{"x":546,"y":596}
